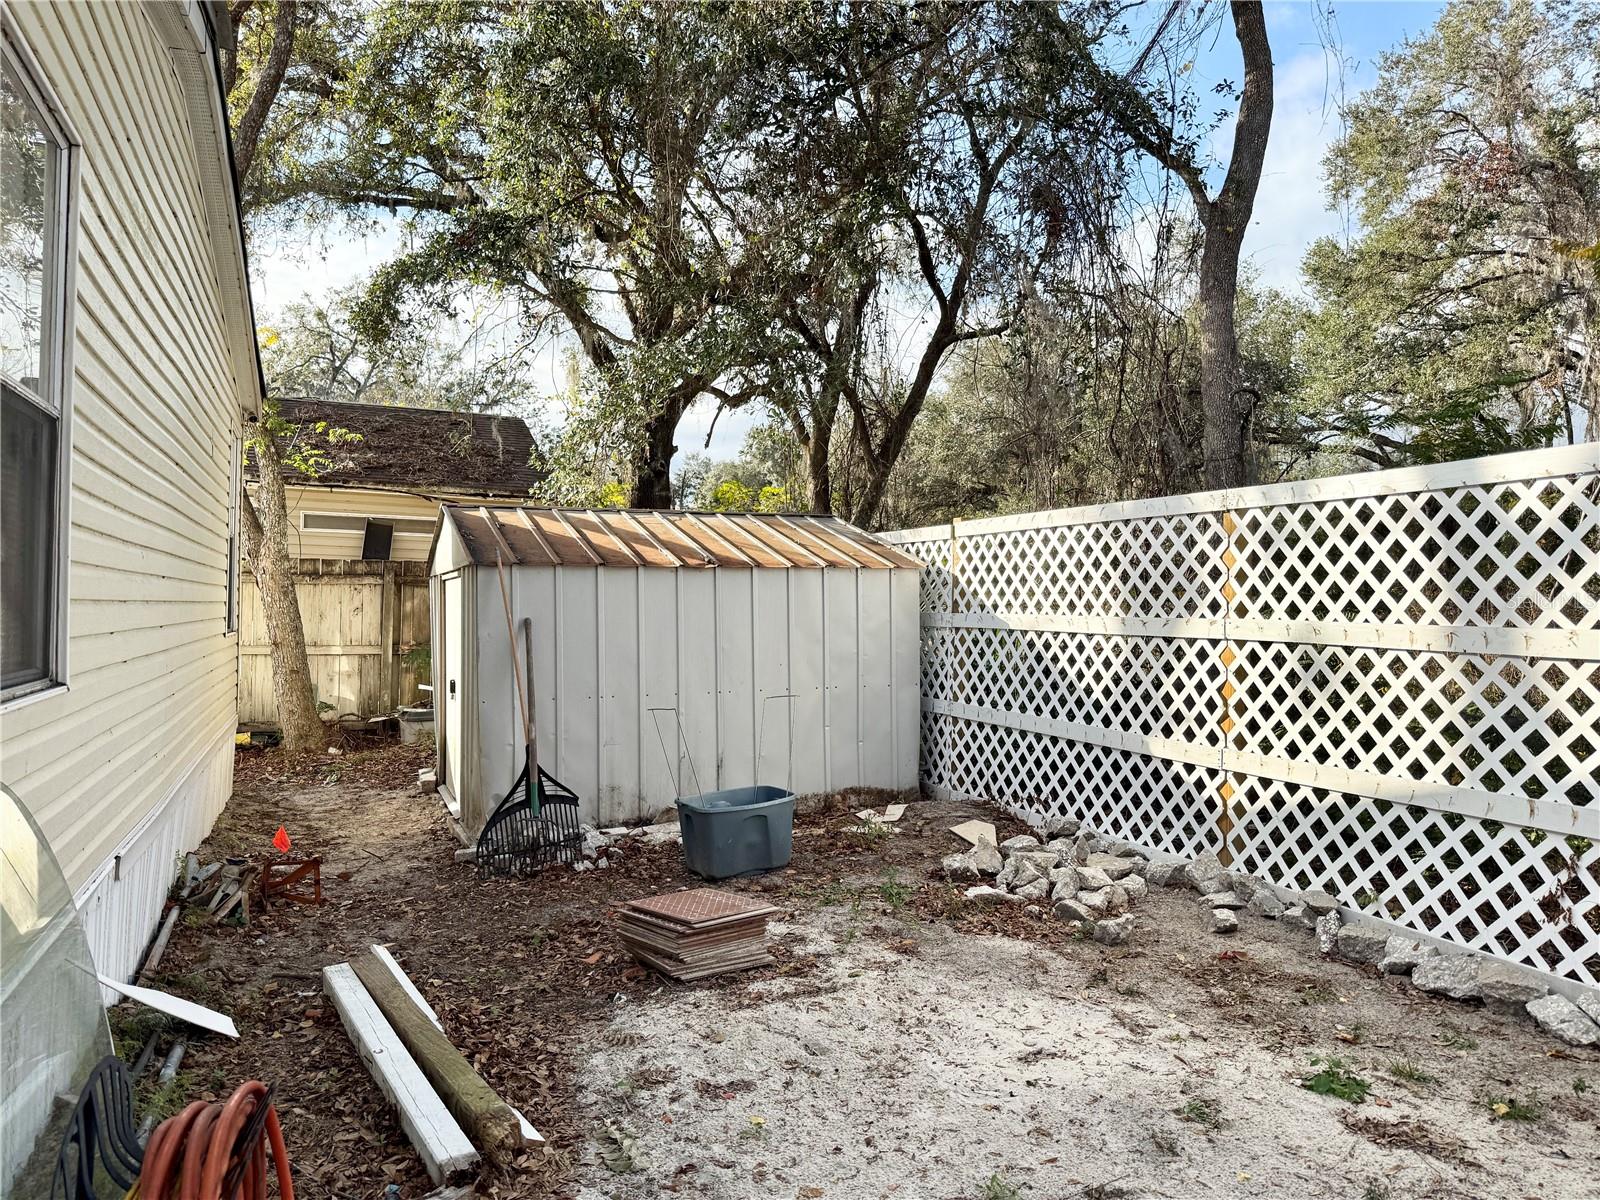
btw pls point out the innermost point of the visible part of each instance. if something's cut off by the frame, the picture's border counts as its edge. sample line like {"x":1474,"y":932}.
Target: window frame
{"x":56,"y":352}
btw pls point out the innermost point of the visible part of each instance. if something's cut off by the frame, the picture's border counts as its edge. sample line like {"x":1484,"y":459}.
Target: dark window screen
{"x":27,"y":540}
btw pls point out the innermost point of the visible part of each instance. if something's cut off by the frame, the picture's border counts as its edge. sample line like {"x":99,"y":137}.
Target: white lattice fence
{"x":1385,"y":685}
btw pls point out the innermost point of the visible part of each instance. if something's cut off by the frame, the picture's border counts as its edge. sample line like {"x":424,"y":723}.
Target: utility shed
{"x":672,"y":653}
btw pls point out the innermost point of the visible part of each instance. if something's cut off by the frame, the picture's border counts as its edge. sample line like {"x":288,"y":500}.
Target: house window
{"x":35,"y":169}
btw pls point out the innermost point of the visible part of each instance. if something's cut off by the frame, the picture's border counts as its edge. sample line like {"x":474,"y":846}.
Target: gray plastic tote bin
{"x":739,"y":831}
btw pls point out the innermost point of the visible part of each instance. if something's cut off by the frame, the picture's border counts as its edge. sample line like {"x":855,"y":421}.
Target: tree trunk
{"x":819,"y":467}
{"x":266,"y":546}
{"x":487,"y":1119}
{"x":652,"y":467}
{"x":1228,"y":406}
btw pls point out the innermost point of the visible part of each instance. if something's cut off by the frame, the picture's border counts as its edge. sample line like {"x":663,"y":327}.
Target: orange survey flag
{"x":281,"y":840}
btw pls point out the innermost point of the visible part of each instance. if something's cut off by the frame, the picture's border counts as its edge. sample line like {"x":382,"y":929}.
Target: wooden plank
{"x":439,"y":1140}
{"x":495,"y":1129}
{"x":530,"y":1135}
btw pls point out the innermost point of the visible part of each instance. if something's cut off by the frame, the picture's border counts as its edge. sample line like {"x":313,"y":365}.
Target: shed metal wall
{"x":718,"y":647}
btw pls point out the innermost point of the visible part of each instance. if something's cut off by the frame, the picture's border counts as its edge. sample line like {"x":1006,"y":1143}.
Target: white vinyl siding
{"x":312,"y":509}
{"x":155,"y":417}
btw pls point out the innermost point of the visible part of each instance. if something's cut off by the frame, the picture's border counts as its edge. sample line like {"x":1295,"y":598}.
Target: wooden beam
{"x":445,"y":1151}
{"x":530,"y":1135}
{"x":488,"y":1119}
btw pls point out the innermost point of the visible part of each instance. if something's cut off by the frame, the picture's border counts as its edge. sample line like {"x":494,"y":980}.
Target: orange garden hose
{"x":190,"y":1155}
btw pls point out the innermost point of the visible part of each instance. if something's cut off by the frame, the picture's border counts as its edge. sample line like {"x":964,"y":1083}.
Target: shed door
{"x":452,"y":619}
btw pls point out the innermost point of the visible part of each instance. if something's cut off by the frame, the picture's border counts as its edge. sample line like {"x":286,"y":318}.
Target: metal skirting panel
{"x":121,"y":904}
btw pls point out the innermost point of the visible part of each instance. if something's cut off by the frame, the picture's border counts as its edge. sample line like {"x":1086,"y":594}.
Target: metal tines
{"x":526,"y":832}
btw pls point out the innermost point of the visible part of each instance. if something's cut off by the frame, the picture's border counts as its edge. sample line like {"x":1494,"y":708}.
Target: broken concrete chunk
{"x":1506,"y":988}
{"x":990,"y":895}
{"x":974,"y":832}
{"x":1044,"y":861}
{"x":1165,"y":874}
{"x":1561,"y":1018}
{"x":1453,"y":975}
{"x":1589,"y":1003}
{"x":1244,"y":886}
{"x":1211,"y":887}
{"x":1328,"y":926}
{"x":1222,"y":900}
{"x":1084,"y":844}
{"x":1068,"y":909}
{"x":986,"y":857}
{"x":1361,"y":944}
{"x":1060,"y":827}
{"x":1116,"y":899}
{"x":1065,"y":877}
{"x":1136,"y":888}
{"x":1096,"y":900}
{"x":1092,"y":878}
{"x":1401,"y":954}
{"x":1319,"y":903}
{"x":1206,"y":868}
{"x":1023,"y":872}
{"x":1223,"y":921}
{"x":1298,"y":914}
{"x":1038,"y":889}
{"x":960,"y":866}
{"x":1114,"y":866}
{"x":1265,"y":904}
{"x":1114,"y":932}
{"x":1023,"y":841}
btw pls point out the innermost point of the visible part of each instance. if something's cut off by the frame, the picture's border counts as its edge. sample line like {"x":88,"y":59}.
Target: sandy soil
{"x":904,"y":1044}
{"x":985,"y":1061}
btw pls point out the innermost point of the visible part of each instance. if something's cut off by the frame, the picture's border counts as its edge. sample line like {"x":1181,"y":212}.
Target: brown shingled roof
{"x":422,"y":449}
{"x":584,"y":537}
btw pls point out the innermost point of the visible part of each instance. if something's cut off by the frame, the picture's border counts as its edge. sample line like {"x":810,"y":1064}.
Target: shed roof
{"x":430,"y":450}
{"x":587,"y":537}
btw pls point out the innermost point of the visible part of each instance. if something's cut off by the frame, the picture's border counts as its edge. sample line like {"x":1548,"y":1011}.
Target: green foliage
{"x":1333,"y":1078}
{"x":1509,"y":1108}
{"x":1457,"y":324}
{"x":996,"y":1187}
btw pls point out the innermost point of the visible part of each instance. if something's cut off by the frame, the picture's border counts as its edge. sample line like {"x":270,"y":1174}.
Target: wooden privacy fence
{"x":359,"y":617}
{"x":1384,"y":685}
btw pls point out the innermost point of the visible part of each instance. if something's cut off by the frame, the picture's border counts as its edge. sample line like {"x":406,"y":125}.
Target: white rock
{"x":1298,"y":914}
{"x":1068,"y":909}
{"x":987,"y":858}
{"x":1096,"y":900}
{"x":1223,"y":900}
{"x":663,"y":834}
{"x":1319,"y":903}
{"x":1116,"y":900}
{"x":1165,"y":874}
{"x":1401,"y":954}
{"x":1114,"y":866}
{"x":984,"y":894}
{"x":1136,"y":888}
{"x":1361,"y":944}
{"x":1265,"y":904}
{"x":1453,"y":975}
{"x":1328,"y":926}
{"x":1223,"y":920}
{"x":1563,"y":1019}
{"x":1505,"y":988}
{"x":959,"y":866}
{"x":1589,"y":1002}
{"x":1092,"y":878}
{"x":1114,"y":932}
{"x":1038,"y":889}
{"x":1023,"y":841}
{"x":1205,"y":868}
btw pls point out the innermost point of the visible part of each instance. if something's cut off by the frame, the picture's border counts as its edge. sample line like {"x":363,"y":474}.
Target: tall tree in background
{"x":1463,"y":320}
{"x":256,"y":58}
{"x":580,"y":158}
{"x":1148,"y":117}
{"x":965,"y":180}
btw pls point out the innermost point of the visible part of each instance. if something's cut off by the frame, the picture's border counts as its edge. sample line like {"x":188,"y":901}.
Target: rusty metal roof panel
{"x":540,"y":537}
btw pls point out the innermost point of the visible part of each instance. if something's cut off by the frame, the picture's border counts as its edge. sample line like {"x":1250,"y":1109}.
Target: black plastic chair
{"x":100,"y":1133}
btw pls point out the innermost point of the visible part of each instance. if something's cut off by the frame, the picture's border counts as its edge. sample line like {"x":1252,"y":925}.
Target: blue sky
{"x":1321,"y":53}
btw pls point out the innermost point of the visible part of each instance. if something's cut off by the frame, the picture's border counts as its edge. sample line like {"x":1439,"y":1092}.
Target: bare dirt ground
{"x":905,"y":1044}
